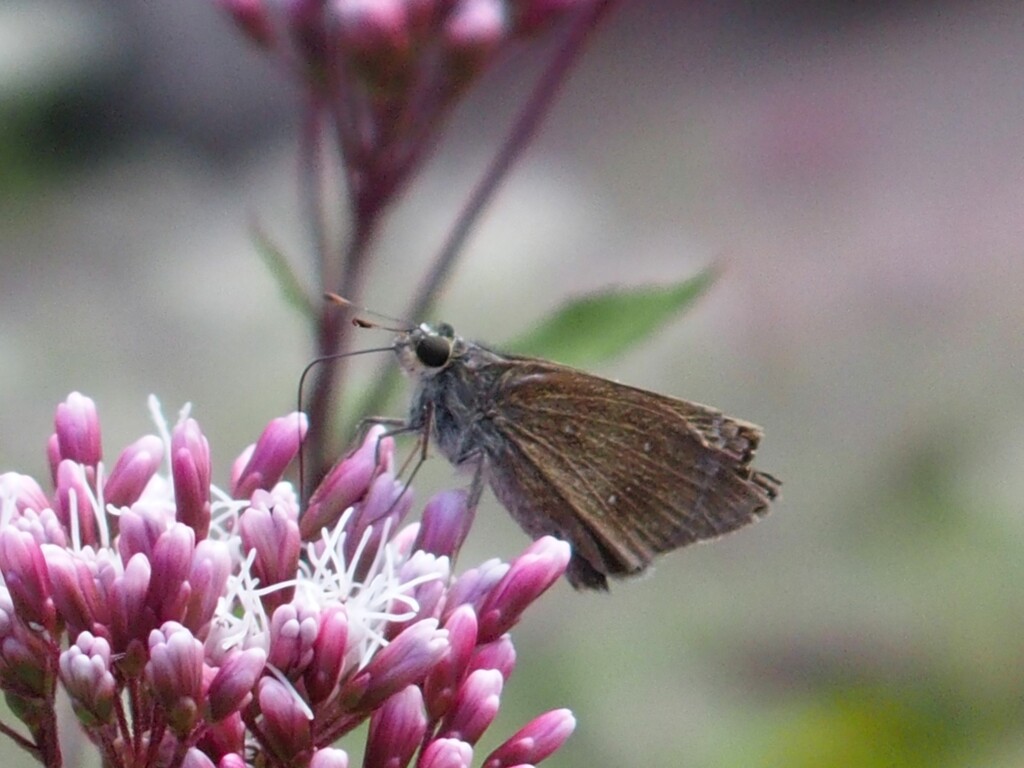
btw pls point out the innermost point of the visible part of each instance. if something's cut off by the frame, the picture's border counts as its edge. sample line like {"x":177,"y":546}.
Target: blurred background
{"x":858,"y":168}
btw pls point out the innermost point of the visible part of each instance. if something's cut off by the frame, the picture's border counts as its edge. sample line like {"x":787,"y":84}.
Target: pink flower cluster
{"x":391,"y":42}
{"x":219,"y":628}
{"x":388,"y":72}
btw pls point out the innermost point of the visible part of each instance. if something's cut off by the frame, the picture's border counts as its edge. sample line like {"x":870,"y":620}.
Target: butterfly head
{"x":427,"y":349}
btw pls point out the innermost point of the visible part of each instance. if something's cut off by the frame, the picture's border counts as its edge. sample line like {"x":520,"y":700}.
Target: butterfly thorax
{"x":455,"y":383}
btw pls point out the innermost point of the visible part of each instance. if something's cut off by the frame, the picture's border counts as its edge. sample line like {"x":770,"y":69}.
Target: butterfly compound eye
{"x":433,"y":350}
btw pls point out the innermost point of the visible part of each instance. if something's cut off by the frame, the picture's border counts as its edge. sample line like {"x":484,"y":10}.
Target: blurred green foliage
{"x":598,"y":327}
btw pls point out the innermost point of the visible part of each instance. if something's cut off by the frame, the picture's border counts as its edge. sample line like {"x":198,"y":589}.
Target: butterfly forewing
{"x":624,"y":474}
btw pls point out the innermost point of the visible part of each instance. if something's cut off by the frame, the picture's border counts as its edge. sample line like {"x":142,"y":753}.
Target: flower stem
{"x":20,"y":740}
{"x":537,"y":107}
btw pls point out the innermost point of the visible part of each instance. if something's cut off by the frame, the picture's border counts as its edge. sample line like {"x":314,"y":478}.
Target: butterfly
{"x":620,"y":473}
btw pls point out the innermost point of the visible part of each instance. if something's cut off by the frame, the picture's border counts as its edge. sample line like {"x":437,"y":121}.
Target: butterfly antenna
{"x":394,"y":324}
{"x":302,"y":387}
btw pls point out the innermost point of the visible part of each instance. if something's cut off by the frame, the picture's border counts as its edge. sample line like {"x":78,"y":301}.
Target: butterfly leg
{"x":476,"y":488}
{"x":404,"y":427}
{"x":399,"y":426}
{"x":422,"y":426}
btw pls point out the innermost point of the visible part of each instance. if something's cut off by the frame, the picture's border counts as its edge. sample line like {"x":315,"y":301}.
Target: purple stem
{"x":328,"y":385}
{"x":523,"y":130}
{"x":365,"y":209}
{"x":311,"y":180}
{"x":20,"y":740}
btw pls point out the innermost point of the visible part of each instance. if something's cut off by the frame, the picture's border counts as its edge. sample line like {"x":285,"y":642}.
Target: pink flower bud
{"x":26,"y":656}
{"x":190,"y":469}
{"x":346,"y":483}
{"x":473,"y":32}
{"x":286,"y":726}
{"x":74,"y":586}
{"x":443,"y":679}
{"x":43,"y":526}
{"x":446,"y":753}
{"x":74,"y":503}
{"x":24,"y":491}
{"x":274,"y":536}
{"x":273,"y":452}
{"x":474,"y":585}
{"x":196,"y":759}
{"x":232,"y":761}
{"x":405,"y":661}
{"x":387,"y":502}
{"x":475,"y":707}
{"x":498,"y":654}
{"x":130,"y":617}
{"x":231,"y":689}
{"x":175,"y":673}
{"x":382,"y":497}
{"x":476,"y":27}
{"x":24,"y":570}
{"x":537,"y":740}
{"x":329,"y":757}
{"x":396,"y":730}
{"x":171,"y":561}
{"x":293,"y":632}
{"x":324,"y":671}
{"x":77,"y":428}
{"x":225,"y":739}
{"x":529,"y":576}
{"x":138,"y":531}
{"x":252,"y":18}
{"x":377,"y":27}
{"x":85,"y":673}
{"x":134,"y":468}
{"x":532,"y":16}
{"x":211,"y":567}
{"x":430,"y":576}
{"x":445,"y":522}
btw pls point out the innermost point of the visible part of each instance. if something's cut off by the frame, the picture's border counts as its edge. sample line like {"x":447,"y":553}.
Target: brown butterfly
{"x":620,"y":473}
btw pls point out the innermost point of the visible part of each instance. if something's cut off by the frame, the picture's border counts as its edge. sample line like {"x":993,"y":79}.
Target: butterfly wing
{"x":621,"y":473}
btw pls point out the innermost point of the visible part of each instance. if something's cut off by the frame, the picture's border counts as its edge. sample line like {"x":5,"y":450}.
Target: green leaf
{"x":287,"y":281}
{"x":599,"y":326}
